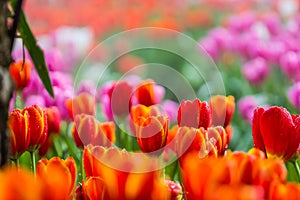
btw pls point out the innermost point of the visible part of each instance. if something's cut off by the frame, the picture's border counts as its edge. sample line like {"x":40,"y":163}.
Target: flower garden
{"x":155,"y":100}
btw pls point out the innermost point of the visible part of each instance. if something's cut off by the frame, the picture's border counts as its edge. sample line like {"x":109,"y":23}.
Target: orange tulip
{"x":280,"y":191}
{"x":38,"y":127}
{"x":141,"y":111}
{"x":276,"y":132}
{"x":58,"y":176}
{"x":219,"y":137}
{"x":87,"y":130}
{"x":191,"y":140}
{"x":238,"y":175}
{"x":125,"y":175}
{"x":18,"y":124}
{"x":20,"y":73}
{"x":222,"y":110}
{"x":93,"y":188}
{"x":19,"y":184}
{"x":194,"y":114}
{"x":83,"y":103}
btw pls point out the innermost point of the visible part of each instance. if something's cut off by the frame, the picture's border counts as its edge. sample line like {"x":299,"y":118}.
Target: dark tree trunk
{"x":6,"y":84}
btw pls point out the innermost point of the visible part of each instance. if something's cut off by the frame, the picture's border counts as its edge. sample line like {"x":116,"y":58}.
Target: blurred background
{"x":254,"y":43}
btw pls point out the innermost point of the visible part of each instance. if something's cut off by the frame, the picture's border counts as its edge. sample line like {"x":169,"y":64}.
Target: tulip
{"x":20,"y":73}
{"x":192,"y":140}
{"x":222,"y":110}
{"x":87,"y":130}
{"x":18,"y":124}
{"x":276,"y":132}
{"x":152,"y":134}
{"x":57,"y":175}
{"x":194,"y":114}
{"x":256,"y":70}
{"x":19,"y":184}
{"x":280,"y":191}
{"x":53,"y":119}
{"x":148,"y":94}
{"x":38,"y":127}
{"x":293,"y":94}
{"x":93,"y":188}
{"x":219,"y":138}
{"x":141,"y":111}
{"x":83,"y":103}
{"x":125,"y":175}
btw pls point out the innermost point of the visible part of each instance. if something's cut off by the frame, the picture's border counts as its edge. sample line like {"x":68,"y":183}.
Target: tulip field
{"x":158,"y":100}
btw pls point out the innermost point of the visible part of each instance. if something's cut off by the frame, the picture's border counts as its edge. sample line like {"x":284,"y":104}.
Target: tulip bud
{"x":18,"y":124}
{"x":38,"y":127}
{"x":222,"y":109}
{"x":20,"y":73}
{"x":194,"y":114}
{"x":53,"y":119}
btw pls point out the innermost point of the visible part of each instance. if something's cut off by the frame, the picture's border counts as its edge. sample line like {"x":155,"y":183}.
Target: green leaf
{"x":34,"y":50}
{"x":293,"y":171}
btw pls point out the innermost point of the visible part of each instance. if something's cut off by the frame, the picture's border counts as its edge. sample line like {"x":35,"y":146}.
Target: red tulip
{"x":18,"y":124}
{"x":194,"y":114}
{"x":145,"y":93}
{"x":276,"y":132}
{"x":20,"y":73}
{"x":53,"y":119}
{"x":120,"y":94}
{"x":38,"y":127}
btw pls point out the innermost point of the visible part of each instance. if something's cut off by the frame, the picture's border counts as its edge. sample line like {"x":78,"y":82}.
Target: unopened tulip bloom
{"x":53,"y":119}
{"x":20,"y":73}
{"x":194,"y":114}
{"x":148,"y":93}
{"x":38,"y":126}
{"x":276,"y":132}
{"x":222,"y":109}
{"x":18,"y":124}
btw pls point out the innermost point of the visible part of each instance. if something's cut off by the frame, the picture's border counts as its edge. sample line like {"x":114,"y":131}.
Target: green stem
{"x":82,"y":175}
{"x":32,"y":158}
{"x":19,"y":102}
{"x":296,"y":165}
